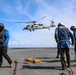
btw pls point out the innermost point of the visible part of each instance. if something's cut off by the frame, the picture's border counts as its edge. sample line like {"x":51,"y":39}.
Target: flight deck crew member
{"x":74,"y":33}
{"x":63,"y":39}
{"x":56,"y":39}
{"x":4,"y":39}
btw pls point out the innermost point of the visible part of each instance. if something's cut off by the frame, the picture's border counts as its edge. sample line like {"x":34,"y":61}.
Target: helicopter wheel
{"x":30,"y":30}
{"x":33,"y":29}
{"x":49,"y":29}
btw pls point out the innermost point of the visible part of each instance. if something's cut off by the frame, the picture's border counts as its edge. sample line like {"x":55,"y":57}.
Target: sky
{"x":62,"y":11}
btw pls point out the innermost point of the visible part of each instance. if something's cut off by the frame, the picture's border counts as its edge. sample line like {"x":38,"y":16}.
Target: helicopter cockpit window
{"x":40,"y":24}
{"x":28,"y":26}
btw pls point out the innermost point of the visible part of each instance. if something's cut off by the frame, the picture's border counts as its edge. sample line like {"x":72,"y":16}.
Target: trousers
{"x":75,"y":47}
{"x":62,"y":57}
{"x":58,"y":50}
{"x":3,"y":53}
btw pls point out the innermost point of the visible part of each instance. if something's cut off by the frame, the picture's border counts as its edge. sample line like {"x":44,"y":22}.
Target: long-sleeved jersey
{"x":62,"y":36}
{"x":6,"y":38}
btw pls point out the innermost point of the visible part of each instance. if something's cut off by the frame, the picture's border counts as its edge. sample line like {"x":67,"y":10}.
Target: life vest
{"x":63,"y":34}
{"x":2,"y":38}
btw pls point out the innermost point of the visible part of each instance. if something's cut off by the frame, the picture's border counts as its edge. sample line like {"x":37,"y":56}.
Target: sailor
{"x":63,"y":39}
{"x":4,"y":39}
{"x":74,"y":33}
{"x":57,"y":41}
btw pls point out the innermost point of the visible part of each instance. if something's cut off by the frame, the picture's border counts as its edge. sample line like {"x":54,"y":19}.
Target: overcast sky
{"x":11,"y":11}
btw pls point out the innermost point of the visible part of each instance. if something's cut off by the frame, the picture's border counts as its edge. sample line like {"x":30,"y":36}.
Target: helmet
{"x":72,"y":28}
{"x":60,"y":24}
{"x":1,"y":27}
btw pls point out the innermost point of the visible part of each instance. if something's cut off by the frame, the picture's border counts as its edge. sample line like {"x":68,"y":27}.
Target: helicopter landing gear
{"x":30,"y":30}
{"x":33,"y":29}
{"x":49,"y":29}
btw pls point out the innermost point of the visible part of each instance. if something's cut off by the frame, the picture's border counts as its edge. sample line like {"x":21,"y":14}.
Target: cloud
{"x":19,"y":10}
{"x":8,"y":20}
{"x":31,"y":44}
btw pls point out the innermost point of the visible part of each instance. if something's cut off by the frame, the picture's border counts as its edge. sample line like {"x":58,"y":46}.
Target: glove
{"x":3,"y":45}
{"x":1,"y":41}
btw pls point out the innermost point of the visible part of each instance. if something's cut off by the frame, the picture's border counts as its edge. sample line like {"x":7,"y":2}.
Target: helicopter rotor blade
{"x":24,"y":22}
{"x":41,"y":18}
{"x":52,"y":21}
{"x":19,"y":22}
{"x":37,"y":20}
{"x":32,"y":21}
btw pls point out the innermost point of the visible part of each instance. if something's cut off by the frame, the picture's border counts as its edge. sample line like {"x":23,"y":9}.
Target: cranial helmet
{"x":72,"y":28}
{"x":1,"y":27}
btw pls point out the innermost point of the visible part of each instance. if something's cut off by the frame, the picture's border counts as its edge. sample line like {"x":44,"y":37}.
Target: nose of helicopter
{"x":24,"y":28}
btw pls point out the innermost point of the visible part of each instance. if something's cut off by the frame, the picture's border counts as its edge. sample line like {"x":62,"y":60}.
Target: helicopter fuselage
{"x":37,"y":26}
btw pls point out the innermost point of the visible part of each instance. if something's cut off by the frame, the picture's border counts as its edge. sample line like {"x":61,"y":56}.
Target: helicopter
{"x":32,"y":26}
